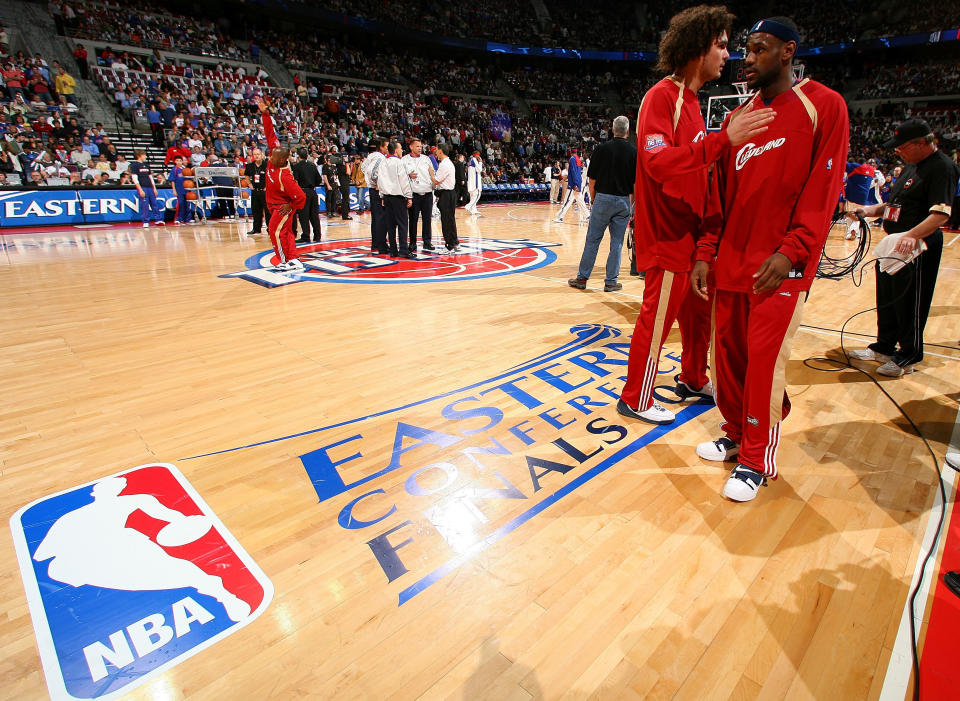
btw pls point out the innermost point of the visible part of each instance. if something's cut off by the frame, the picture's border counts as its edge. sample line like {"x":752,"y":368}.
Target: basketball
{"x":188,"y":172}
{"x":183,"y":531}
{"x":189,"y":184}
{"x":191,"y":196}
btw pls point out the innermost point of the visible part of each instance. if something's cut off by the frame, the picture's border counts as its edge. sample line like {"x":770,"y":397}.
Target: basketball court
{"x":425,"y":464}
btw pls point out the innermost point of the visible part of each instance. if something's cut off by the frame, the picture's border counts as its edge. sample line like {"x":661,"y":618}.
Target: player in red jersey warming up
{"x":284,"y":197}
{"x":777,"y":196}
{"x":674,"y":153}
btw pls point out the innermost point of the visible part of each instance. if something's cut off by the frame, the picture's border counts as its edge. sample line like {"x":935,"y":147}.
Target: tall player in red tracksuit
{"x":671,"y":195}
{"x":284,"y":197}
{"x":777,"y":197}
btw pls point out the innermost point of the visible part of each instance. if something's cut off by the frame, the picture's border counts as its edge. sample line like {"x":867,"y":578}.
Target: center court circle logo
{"x":351,"y":260}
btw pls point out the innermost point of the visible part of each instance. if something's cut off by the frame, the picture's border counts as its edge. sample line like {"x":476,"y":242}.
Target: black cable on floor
{"x":837,"y":268}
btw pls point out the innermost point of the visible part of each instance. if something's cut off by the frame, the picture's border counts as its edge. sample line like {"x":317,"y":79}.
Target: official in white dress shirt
{"x":378,"y":217}
{"x":394,"y":185}
{"x":446,"y":182}
{"x":419,"y":169}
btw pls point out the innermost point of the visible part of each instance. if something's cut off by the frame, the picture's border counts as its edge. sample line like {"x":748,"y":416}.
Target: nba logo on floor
{"x":127,"y":576}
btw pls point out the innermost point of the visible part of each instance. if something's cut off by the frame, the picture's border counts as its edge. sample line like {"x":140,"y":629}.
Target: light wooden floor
{"x":123,"y":347}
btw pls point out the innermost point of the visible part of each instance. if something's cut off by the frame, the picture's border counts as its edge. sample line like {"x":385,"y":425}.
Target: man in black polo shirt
{"x":612,"y":172}
{"x":256,"y":173}
{"x":308,"y":178}
{"x":332,"y":185}
{"x":920,"y":203}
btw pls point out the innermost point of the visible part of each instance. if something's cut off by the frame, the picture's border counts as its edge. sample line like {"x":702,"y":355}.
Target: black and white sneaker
{"x":656,"y":414}
{"x":685,"y":391}
{"x":743,"y":484}
{"x":719,"y":450}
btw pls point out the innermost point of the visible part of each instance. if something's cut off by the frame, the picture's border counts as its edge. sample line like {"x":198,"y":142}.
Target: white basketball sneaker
{"x":891,"y":369}
{"x":719,"y":450}
{"x":743,"y":484}
{"x":656,"y":414}
{"x":868,"y":354}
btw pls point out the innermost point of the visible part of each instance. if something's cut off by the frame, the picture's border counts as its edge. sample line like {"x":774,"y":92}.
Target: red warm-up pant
{"x":751,"y":346}
{"x":665,"y":300}
{"x":280,"y":227}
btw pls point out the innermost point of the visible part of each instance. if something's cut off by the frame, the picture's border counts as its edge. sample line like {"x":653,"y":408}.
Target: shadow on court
{"x":499,"y":678}
{"x":786,"y":635}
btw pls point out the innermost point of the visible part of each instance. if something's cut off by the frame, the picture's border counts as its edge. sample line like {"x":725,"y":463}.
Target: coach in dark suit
{"x":308,"y":178}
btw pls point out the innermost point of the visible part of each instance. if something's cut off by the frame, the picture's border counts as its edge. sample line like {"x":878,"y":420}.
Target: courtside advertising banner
{"x":104,"y":206}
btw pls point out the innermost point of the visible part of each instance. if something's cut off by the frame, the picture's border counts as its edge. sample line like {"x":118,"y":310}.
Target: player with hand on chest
{"x":777,"y":197}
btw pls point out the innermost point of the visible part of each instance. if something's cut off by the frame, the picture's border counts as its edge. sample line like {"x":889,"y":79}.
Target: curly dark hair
{"x":690,"y":35}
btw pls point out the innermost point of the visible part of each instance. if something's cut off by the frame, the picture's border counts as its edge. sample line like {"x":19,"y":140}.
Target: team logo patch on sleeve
{"x":655,"y":142}
{"x":128,"y":576}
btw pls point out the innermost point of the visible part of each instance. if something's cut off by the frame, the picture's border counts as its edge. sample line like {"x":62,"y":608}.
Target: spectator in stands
{"x":66,"y":107}
{"x":90,"y":147}
{"x":14,"y":79}
{"x":72,"y":128}
{"x":79,"y":157}
{"x":80,"y":54}
{"x":39,"y":87}
{"x":17,"y":108}
{"x":45,"y":163}
{"x":66,"y":85}
{"x":196,"y":157}
{"x":36,"y":179}
{"x":155,"y":120}
{"x":108,"y":149}
{"x":8,"y":161}
{"x":175,"y":149}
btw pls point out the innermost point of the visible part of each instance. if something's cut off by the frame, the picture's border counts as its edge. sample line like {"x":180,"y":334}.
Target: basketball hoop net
{"x":741,"y":88}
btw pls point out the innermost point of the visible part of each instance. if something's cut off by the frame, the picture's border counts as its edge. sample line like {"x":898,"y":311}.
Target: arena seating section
{"x":520,"y":114}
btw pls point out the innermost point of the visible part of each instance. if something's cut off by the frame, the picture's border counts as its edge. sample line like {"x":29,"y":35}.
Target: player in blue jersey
{"x":176,"y":179}
{"x":147,"y":189}
{"x":860,"y":190}
{"x":574,"y":189}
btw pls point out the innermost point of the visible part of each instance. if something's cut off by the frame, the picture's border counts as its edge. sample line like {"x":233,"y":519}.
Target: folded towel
{"x":892,"y":262}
